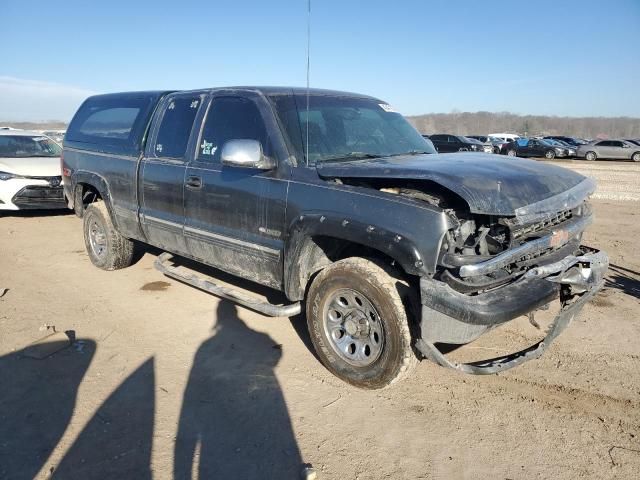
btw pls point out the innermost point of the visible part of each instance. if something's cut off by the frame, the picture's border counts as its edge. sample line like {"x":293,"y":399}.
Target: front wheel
{"x":591,"y":156}
{"x":358,"y":323}
{"x":511,"y":153}
{"x":550,"y":154}
{"x":107,"y":249}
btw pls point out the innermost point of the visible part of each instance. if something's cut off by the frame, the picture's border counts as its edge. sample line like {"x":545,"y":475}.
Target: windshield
{"x":347,"y":128}
{"x":17,"y":146}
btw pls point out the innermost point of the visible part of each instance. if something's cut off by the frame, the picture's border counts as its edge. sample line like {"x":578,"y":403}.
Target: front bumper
{"x":31,"y":193}
{"x":451,"y":317}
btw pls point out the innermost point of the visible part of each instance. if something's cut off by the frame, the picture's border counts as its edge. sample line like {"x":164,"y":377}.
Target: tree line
{"x":482,"y":123}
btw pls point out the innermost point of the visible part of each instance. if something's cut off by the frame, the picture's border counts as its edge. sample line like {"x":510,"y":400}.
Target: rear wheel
{"x":511,"y":152}
{"x":550,"y":154}
{"x":591,"y":156}
{"x":107,"y":249}
{"x":358,"y":323}
{"x":636,"y":157}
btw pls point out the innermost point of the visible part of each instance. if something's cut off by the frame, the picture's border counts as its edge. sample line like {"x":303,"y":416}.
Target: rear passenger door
{"x":234,"y":217}
{"x":163,"y":169}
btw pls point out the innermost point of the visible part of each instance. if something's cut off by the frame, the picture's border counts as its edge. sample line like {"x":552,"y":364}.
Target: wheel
{"x":511,"y":152}
{"x":636,"y":157}
{"x":496,"y":150}
{"x":107,"y":249}
{"x":358,"y":323}
{"x":550,"y":154}
{"x":591,"y":156}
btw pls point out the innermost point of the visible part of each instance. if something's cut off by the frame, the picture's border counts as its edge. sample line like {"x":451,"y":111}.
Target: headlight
{"x":559,"y":150}
{"x":8,"y":176}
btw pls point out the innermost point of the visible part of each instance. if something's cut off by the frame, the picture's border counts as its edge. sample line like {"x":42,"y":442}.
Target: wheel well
{"x":320,"y":251}
{"x":85,"y":194}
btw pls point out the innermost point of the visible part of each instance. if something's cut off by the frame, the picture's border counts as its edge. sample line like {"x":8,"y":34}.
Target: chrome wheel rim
{"x":353,"y":326}
{"x":97,"y":239}
{"x":511,"y":153}
{"x":550,"y":155}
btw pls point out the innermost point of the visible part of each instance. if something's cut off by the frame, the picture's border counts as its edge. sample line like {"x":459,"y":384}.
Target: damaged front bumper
{"x":451,"y":317}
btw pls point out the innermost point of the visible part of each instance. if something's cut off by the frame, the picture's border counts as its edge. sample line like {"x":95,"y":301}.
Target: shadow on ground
{"x":36,"y":404}
{"x":623,"y":279}
{"x":234,"y":421}
{"x":61,"y":212}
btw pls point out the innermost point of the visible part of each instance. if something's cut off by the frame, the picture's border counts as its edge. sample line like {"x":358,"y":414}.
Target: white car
{"x":507,"y":137}
{"x":30,"y":175}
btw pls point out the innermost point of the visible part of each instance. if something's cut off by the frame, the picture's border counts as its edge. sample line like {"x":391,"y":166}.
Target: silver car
{"x":612,"y":149}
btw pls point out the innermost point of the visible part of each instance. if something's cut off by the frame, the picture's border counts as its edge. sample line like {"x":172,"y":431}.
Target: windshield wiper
{"x":410,"y":152}
{"x":351,"y":156}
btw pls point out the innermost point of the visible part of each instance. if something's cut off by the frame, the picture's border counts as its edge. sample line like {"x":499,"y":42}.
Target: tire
{"x":636,"y":157}
{"x":496,"y":150}
{"x":511,"y":153}
{"x":590,"y":156}
{"x":380,"y":318}
{"x":107,"y":249}
{"x":549,"y":154}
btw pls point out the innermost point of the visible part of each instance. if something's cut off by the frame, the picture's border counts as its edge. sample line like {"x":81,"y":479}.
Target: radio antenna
{"x":308,"y":68}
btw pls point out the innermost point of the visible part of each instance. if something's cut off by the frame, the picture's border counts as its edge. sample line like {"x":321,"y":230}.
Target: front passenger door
{"x":235,"y":216}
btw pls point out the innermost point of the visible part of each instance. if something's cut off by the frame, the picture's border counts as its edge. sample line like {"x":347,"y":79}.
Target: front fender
{"x":414,"y":249}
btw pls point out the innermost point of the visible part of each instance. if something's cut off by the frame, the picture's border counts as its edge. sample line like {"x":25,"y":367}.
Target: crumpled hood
{"x":31,"y":166}
{"x":490,"y":184}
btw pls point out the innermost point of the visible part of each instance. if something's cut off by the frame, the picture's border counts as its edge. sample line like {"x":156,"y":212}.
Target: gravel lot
{"x":164,"y":380}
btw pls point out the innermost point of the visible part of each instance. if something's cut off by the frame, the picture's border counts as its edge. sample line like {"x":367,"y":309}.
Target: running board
{"x":163,"y":264}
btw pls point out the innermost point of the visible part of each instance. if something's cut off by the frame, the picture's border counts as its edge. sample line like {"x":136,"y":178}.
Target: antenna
{"x":308,"y":65}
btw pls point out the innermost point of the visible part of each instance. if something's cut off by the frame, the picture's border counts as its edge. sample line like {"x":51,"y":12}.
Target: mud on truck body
{"x":335,"y":200}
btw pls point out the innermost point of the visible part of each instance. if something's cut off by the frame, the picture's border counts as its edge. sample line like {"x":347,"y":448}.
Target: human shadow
{"x":37,"y":401}
{"x":117,"y":441}
{"x":234,"y":421}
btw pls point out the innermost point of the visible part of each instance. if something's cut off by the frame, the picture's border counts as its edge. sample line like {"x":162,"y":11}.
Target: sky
{"x":566,"y":58}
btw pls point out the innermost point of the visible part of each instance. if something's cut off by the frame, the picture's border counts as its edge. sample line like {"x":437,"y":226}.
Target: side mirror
{"x":245,"y":154}
{"x":624,"y":145}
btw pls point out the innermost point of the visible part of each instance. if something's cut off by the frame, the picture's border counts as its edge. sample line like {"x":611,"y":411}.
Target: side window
{"x":604,"y":143}
{"x":616,"y":144}
{"x":175,"y":127}
{"x":230,"y":118}
{"x":437,"y":138}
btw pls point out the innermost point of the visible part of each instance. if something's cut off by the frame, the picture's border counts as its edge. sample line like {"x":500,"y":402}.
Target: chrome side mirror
{"x":245,"y":154}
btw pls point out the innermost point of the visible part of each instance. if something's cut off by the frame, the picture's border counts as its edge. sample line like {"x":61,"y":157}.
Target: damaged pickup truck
{"x":336,"y":200}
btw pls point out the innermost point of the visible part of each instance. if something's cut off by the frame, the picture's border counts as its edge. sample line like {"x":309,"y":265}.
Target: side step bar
{"x":163,"y":264}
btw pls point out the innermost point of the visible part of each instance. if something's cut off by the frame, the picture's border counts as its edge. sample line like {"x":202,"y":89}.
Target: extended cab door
{"x":163,"y":169}
{"x":234,"y":217}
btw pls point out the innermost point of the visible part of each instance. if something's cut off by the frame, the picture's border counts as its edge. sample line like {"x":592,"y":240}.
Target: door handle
{"x":194,"y":182}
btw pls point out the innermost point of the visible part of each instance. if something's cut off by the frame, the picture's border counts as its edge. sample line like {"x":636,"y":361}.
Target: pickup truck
{"x":394,"y":251}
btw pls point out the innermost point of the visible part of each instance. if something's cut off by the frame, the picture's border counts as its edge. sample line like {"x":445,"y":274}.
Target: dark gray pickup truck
{"x":336,"y":200}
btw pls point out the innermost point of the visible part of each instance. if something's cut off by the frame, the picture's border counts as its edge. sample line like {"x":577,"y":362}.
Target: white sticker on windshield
{"x":387,"y":108}
{"x":39,"y":139}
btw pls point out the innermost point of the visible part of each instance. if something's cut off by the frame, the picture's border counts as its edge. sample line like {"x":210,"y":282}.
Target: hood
{"x":490,"y":184}
{"x":31,"y":166}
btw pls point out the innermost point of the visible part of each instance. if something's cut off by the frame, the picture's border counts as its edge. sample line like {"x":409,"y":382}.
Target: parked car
{"x":487,"y":144}
{"x":634,"y":141}
{"x":610,"y":149}
{"x":571,"y":150}
{"x":337,"y":201}
{"x":29,"y":171}
{"x":525,"y":147}
{"x":446,"y":143}
{"x":575,"y":142}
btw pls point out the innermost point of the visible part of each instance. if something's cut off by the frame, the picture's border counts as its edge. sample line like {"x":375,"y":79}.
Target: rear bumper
{"x":452,"y":317}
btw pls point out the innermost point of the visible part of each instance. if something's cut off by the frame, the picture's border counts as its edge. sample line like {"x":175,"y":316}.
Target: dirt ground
{"x":164,"y":381}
